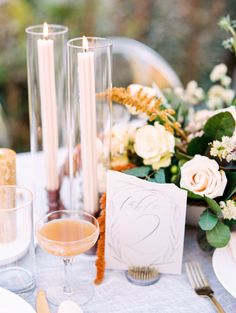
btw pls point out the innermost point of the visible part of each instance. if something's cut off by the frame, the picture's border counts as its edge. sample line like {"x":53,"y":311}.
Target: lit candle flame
{"x":85,"y":43}
{"x":45,"y":30}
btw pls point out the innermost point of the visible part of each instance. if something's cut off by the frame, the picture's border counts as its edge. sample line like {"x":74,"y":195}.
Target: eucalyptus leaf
{"x":202,"y":241}
{"x":198,"y":145}
{"x":219,"y":125}
{"x":141,"y":171}
{"x":213,"y":205}
{"x":219,"y":236}
{"x":152,"y":180}
{"x":160,"y":176}
{"x":207,"y":220}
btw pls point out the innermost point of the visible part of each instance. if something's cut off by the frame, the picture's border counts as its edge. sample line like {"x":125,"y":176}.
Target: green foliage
{"x":194,"y":196}
{"x":219,"y":236}
{"x":213,"y":205}
{"x":208,"y":220}
{"x":174,"y":169}
{"x":160,"y":176}
{"x":146,"y":172}
{"x":231,"y":185}
{"x":182,"y":156}
{"x":202,"y":241}
{"x":141,"y":171}
{"x":229,"y":26}
{"x":182,"y":162}
{"x":219,"y":125}
{"x":198,"y":145}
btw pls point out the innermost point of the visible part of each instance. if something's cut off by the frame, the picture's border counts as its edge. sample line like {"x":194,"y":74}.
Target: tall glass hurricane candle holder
{"x":89,"y":77}
{"x":46,"y":67}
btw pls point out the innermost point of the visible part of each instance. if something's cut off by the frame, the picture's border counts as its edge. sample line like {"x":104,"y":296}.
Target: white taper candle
{"x":88,"y":127}
{"x":48,"y":109}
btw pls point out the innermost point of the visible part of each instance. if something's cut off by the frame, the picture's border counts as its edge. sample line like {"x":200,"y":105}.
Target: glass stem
{"x":68,"y":276}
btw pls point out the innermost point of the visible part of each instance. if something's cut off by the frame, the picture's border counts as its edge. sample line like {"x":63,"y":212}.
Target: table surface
{"x":172,"y":293}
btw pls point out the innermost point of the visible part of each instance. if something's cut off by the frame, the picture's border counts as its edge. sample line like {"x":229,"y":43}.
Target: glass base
{"x":83,"y":290}
{"x":17,"y":280}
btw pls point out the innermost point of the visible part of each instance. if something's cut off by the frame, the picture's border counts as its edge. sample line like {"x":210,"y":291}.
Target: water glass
{"x":17,"y":257}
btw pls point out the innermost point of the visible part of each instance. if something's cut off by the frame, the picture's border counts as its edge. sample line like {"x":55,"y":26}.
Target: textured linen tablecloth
{"x":116,"y":295}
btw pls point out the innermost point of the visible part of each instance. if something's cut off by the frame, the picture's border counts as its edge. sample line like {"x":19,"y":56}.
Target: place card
{"x":145,"y":224}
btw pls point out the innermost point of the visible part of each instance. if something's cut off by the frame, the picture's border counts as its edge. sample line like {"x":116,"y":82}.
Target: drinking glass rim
{"x":106,"y":42}
{"x":61,"y":29}
{"x":65,"y":211}
{"x":22,"y":206}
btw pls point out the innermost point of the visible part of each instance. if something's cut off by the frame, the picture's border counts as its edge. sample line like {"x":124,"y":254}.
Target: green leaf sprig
{"x":229,"y":26}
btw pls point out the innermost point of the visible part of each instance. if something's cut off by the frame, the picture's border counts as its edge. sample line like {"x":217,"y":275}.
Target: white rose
{"x":218,"y":72}
{"x":119,"y":139}
{"x":155,"y":145}
{"x":159,"y":161}
{"x":202,"y":176}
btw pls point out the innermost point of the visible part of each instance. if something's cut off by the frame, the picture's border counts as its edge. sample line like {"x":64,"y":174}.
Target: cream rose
{"x":202,"y":176}
{"x":155,"y":145}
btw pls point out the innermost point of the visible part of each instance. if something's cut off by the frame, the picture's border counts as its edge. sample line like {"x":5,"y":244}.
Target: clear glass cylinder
{"x":17,"y":257}
{"x":46,"y":69}
{"x":89,"y":87}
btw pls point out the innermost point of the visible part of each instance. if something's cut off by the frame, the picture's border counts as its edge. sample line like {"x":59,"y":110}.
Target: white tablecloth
{"x":116,"y":295}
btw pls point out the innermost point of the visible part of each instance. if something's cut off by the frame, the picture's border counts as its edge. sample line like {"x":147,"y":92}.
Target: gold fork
{"x":200,"y":284}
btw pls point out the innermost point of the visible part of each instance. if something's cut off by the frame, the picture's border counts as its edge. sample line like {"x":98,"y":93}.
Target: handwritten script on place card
{"x":145,"y":224}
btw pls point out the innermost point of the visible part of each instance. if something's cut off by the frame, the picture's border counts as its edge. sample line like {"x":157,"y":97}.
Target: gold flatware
{"x":42,"y":303}
{"x":200,"y":284}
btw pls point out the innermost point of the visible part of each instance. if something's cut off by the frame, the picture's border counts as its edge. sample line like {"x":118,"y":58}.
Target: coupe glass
{"x":66,"y":234}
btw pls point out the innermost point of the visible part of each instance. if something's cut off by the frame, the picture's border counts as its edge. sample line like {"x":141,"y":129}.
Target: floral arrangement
{"x":186,"y":136}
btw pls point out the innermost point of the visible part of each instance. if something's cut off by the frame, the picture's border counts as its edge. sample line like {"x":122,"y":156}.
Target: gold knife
{"x":41,"y":302}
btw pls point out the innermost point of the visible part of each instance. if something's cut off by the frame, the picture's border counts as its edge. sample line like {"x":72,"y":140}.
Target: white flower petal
{"x":202,"y":176}
{"x":154,"y":144}
{"x":218,"y":72}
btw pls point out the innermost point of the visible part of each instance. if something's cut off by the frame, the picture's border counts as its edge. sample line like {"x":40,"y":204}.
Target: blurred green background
{"x":184,"y":32}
